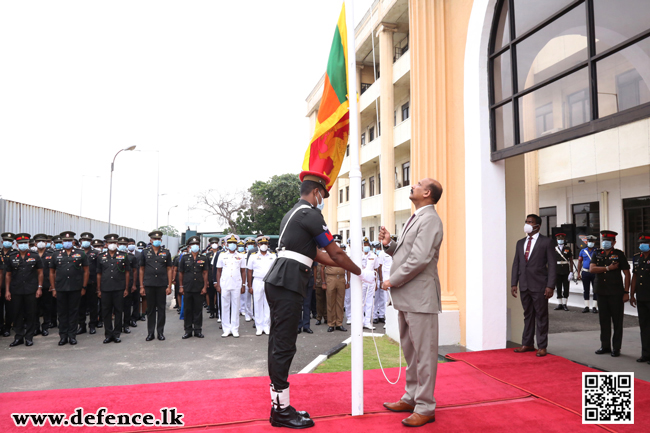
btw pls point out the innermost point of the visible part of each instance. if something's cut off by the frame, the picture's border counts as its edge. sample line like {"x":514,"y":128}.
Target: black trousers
{"x":643,"y":308}
{"x":285,"y":307}
{"x":562,"y":285}
{"x":305,"y":323}
{"x":89,"y":302}
{"x":135,"y":305}
{"x":25,"y":312}
{"x":610,"y":311}
{"x":128,"y":305}
{"x":112,"y":301}
{"x":5,"y":311}
{"x":67,"y":307}
{"x":214,"y":300}
{"x":535,"y":318}
{"x":47,"y":306}
{"x":193,"y":320}
{"x":587,"y":282}
{"x":156,"y":302}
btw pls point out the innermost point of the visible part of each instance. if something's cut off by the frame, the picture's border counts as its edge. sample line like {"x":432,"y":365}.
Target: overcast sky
{"x":218,"y":88}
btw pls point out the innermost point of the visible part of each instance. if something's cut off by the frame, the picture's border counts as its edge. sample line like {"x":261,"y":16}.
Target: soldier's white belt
{"x":562,"y":263}
{"x":296,"y":256}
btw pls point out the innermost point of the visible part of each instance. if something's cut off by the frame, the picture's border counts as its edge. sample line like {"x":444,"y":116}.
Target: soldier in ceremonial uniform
{"x":564,"y":258}
{"x":123,"y":246}
{"x":113,"y":278}
{"x":613,"y":293}
{"x":584,"y":260}
{"x":176,"y":278}
{"x":89,"y":300}
{"x":98,"y":248}
{"x":24,"y":282}
{"x":259,"y":264}
{"x":156,"y":283}
{"x":133,"y":300}
{"x":231,"y":275}
{"x":69,"y":279}
{"x":5,"y":304}
{"x":640,"y":293}
{"x":214,"y":301}
{"x":46,"y":305}
{"x":193,"y":277}
{"x":302,"y":232}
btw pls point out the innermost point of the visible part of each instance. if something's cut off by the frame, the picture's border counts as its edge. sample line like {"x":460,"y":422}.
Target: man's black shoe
{"x":318,"y":322}
{"x":643,"y":359}
{"x":133,"y":324}
{"x":341,"y":328}
{"x":45,"y":332}
{"x":6,"y":334}
{"x":50,"y":325}
{"x":126,"y":330}
{"x":299,"y":330}
{"x":616,"y":353}
{"x":73,"y":341}
{"x":117,"y":339}
{"x":16,"y":342}
{"x":375,"y":321}
{"x":594,"y":310}
{"x":602,"y":351}
{"x":565,"y":307}
{"x":100,"y":325}
{"x":559,"y":307}
{"x":28,"y":342}
{"x":92,"y":330}
{"x":585,"y":310}
{"x":37,"y":331}
{"x":382,"y":320}
{"x":308,"y":330}
{"x":143,"y":318}
{"x":289,"y":417}
{"x":199,"y":335}
{"x":161,"y":337}
{"x":187,"y":335}
{"x":81,"y":330}
{"x":149,"y":337}
{"x":212,"y":315}
{"x":63,"y":341}
{"x":107,"y":340}
{"x":330,"y":329}
{"x":300,"y":412}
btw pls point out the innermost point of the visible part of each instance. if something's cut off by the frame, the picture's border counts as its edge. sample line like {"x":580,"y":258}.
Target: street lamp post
{"x":170,"y":209}
{"x":110,"y":194}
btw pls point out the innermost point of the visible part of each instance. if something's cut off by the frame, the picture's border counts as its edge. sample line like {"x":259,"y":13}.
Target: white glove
{"x":571,"y":276}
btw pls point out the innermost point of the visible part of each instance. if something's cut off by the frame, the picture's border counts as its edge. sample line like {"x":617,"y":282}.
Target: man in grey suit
{"x":534,"y":271}
{"x":416,"y":295}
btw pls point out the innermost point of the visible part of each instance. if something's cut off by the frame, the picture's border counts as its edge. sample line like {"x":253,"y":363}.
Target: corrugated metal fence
{"x":23,"y":218}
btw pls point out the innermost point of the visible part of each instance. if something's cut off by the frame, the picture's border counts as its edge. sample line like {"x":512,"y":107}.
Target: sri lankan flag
{"x":326,"y":150}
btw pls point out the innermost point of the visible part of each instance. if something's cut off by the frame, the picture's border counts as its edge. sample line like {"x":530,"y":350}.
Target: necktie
{"x":407,"y":224}
{"x":530,"y":238}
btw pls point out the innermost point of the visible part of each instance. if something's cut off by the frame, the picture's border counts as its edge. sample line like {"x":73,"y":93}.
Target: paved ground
{"x":575,"y":320}
{"x":90,"y":363}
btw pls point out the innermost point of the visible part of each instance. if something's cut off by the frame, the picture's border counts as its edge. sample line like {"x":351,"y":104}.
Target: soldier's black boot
{"x":284,"y":415}
{"x":82,"y":329}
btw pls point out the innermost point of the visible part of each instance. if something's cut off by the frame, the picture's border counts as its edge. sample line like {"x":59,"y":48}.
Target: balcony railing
{"x":365,"y":86}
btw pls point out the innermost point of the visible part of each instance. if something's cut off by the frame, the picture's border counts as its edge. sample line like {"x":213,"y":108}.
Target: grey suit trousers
{"x":419,"y":337}
{"x":535,"y":318}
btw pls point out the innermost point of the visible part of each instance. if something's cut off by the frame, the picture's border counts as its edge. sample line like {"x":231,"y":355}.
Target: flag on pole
{"x":326,"y":149}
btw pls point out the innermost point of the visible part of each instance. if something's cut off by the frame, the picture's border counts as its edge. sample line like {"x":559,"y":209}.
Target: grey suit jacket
{"x":414,"y":273}
{"x":539,"y":271}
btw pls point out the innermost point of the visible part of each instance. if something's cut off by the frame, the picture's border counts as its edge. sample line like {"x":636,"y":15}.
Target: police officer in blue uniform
{"x":302,"y":232}
{"x":612,"y":291}
{"x":640,"y":293}
{"x":584,"y":260}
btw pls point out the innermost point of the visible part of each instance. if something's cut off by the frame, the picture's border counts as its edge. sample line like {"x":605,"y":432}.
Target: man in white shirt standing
{"x":381,"y":297}
{"x":369,"y":264}
{"x":258,"y":265}
{"x":231,"y":274}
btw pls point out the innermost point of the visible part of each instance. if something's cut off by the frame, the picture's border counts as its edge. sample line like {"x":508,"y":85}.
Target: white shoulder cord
{"x":372,"y":331}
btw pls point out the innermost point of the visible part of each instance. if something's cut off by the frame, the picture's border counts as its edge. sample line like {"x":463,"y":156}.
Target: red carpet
{"x":468,"y":399}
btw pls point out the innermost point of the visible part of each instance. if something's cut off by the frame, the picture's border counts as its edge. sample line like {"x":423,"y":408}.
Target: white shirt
{"x":231,"y":264}
{"x":417,"y":211}
{"x":532,"y":244}
{"x":260,"y":263}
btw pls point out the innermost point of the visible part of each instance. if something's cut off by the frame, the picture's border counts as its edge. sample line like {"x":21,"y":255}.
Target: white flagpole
{"x":355,"y":219}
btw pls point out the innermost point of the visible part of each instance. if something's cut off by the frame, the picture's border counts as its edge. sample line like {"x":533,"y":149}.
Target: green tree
{"x":269,"y":202}
{"x":169,"y":231}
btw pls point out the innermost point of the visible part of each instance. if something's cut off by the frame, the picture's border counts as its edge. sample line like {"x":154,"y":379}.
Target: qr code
{"x":608,"y":398}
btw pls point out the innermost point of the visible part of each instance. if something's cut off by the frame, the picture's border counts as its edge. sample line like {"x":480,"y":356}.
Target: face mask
{"x":33,"y":249}
{"x":232,"y":247}
{"x":590,"y":244}
{"x":560,"y":242}
{"x":264,"y":248}
{"x":366,"y":249}
{"x":131,"y":248}
{"x":607,"y":244}
{"x":112,"y":247}
{"x":644,"y":247}
{"x":104,"y":249}
{"x":140,"y":249}
{"x":250,"y":247}
{"x":195,"y":248}
{"x":321,"y":204}
{"x":48,"y":245}
{"x":40,"y":245}
{"x":240,"y":249}
{"x":7,"y":244}
{"x":157,"y":243}
{"x":67,"y":245}
{"x":58,"y":246}
{"x":528,"y":228}
{"x":23,"y":247}
{"x":214,"y":246}
{"x":85,"y":244}
{"x":121,"y":248}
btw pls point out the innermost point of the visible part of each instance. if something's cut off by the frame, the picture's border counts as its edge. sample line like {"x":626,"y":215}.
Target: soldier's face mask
{"x":67,"y":245}
{"x":264,"y":248}
{"x":157,"y":243}
{"x":58,"y":246}
{"x":591,"y":244}
{"x":23,"y":247}
{"x":7,"y":244}
{"x":560,"y":242}
{"x":240,"y":249}
{"x":250,"y":247}
{"x":85,"y":244}
{"x":607,"y":244}
{"x":232,"y":247}
{"x":40,"y":245}
{"x":214,"y":246}
{"x":320,"y":205}
{"x":48,"y":245}
{"x":121,"y":248}
{"x":131,"y":248}
{"x":112,"y":247}
{"x":194,"y":248}
{"x":366,"y":249}
{"x":644,"y":247}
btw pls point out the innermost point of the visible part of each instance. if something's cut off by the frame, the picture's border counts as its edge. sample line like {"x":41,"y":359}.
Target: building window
{"x":637,"y":220}
{"x":371,"y":134}
{"x":347,"y":193}
{"x":363,"y":231}
{"x":340,"y":196}
{"x":363,"y":139}
{"x":347,"y":150}
{"x":395,"y":118}
{"x":363,"y":188}
{"x":372,"y":234}
{"x":378,"y":129}
{"x":379,"y":183}
{"x":549,"y":220}
{"x":406,"y":174}
{"x":577,"y":58}
{"x":371,"y":186}
{"x":405,"y":111}
{"x":347,"y":235}
{"x":586,"y":217}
